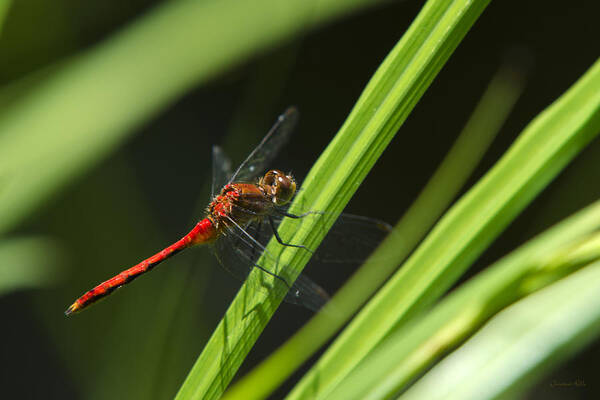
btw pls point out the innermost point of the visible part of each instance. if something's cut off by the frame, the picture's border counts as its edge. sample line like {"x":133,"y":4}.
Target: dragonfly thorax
{"x":241,"y":203}
{"x":278,"y":187}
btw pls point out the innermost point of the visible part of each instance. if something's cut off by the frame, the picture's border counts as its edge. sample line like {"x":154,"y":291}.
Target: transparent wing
{"x":227,"y":251}
{"x":265,"y":152}
{"x":351,"y":239}
{"x":239,"y":250}
{"x":221,"y":170}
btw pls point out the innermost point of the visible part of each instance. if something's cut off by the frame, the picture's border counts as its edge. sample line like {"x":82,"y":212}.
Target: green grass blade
{"x":91,"y":103}
{"x":384,"y":105}
{"x":29,"y":262}
{"x":546,"y":145}
{"x":4,"y":7}
{"x":477,"y":135}
{"x":521,"y":343}
{"x":407,"y":352}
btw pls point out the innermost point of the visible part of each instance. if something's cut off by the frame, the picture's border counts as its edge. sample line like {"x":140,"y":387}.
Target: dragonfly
{"x":245,"y":214}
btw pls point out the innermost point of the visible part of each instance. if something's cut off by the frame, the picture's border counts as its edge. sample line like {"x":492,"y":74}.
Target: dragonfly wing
{"x":238,"y":253}
{"x":235,"y":252}
{"x":306,"y":293}
{"x":268,"y":148}
{"x":351,"y":239}
{"x":221,"y":165}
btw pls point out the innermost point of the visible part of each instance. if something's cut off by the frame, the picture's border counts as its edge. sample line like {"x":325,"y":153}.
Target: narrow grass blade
{"x":384,"y":105}
{"x":482,"y":127}
{"x":407,"y":352}
{"x":520,"y":344}
{"x":546,"y":145}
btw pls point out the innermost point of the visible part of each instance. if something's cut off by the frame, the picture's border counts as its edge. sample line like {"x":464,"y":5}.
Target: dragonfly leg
{"x":259,"y":245}
{"x":281,"y":242}
{"x":273,"y":275}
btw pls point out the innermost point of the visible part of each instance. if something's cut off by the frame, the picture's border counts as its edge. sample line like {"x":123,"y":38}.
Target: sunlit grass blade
{"x":384,"y":105}
{"x":29,"y":262}
{"x":546,"y":145}
{"x":90,"y":104}
{"x":521,"y":343}
{"x":407,"y":352}
{"x":477,"y":135}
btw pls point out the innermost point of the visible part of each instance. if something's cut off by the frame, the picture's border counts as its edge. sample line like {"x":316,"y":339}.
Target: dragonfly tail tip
{"x":72,"y":309}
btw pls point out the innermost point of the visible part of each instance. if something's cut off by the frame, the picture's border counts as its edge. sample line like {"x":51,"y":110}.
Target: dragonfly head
{"x":279,"y":187}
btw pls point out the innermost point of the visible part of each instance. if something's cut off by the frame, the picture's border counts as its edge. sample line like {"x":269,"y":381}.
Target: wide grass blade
{"x":29,"y":262}
{"x":90,"y":104}
{"x":385,"y":103}
{"x":546,"y":145}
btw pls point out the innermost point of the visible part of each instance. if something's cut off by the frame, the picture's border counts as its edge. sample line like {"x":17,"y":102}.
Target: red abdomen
{"x":203,"y":232}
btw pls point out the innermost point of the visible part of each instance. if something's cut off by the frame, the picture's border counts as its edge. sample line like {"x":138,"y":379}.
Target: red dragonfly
{"x":235,"y":219}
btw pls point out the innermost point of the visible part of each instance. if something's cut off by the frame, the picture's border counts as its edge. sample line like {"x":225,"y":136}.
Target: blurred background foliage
{"x":134,"y":161}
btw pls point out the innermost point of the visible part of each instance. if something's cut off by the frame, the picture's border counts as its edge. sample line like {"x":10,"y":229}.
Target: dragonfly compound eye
{"x":280,"y":187}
